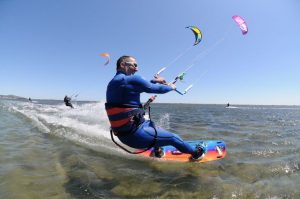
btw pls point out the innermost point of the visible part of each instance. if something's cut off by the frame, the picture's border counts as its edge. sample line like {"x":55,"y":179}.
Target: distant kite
{"x":106,"y":55}
{"x":197,"y":33}
{"x":242,"y":24}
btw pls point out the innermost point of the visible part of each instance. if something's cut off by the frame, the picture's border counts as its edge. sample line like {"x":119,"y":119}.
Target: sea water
{"x":48,"y":150}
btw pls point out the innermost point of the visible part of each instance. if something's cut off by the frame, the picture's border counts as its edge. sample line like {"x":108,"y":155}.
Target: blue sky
{"x":51,"y":48}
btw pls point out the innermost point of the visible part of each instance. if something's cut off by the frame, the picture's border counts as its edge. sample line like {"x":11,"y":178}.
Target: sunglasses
{"x":131,"y":64}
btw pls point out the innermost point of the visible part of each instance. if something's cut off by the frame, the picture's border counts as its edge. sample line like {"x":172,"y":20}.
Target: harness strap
{"x":144,"y":150}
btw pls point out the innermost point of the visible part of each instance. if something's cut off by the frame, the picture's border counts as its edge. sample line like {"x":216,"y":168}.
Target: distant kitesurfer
{"x":30,"y":99}
{"x":228,"y":104}
{"x":67,"y":101}
{"x":126,"y":113}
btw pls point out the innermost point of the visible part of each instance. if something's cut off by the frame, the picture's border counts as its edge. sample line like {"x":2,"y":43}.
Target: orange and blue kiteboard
{"x":214,"y":150}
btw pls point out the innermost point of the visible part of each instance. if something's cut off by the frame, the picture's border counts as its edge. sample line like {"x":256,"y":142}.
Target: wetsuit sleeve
{"x":142,"y":85}
{"x":153,"y":81}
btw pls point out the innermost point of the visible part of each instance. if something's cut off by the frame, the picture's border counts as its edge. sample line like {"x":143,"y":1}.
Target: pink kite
{"x":242,"y":24}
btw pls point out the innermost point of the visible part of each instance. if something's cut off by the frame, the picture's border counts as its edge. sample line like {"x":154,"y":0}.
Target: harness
{"x":125,"y":119}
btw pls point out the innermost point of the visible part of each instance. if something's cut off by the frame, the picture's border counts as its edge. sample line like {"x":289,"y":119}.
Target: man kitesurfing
{"x":67,"y":101}
{"x":126,"y":113}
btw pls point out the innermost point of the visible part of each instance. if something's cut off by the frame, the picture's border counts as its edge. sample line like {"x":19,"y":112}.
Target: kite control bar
{"x":185,"y":91}
{"x":178,"y":77}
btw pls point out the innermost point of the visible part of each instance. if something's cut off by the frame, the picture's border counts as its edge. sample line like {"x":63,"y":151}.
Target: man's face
{"x":130,"y":66}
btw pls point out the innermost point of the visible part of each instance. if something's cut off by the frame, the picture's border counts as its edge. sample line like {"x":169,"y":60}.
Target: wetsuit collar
{"x":120,"y":72}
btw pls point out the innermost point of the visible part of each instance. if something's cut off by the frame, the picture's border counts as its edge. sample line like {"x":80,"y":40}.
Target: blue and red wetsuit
{"x":125,"y":113}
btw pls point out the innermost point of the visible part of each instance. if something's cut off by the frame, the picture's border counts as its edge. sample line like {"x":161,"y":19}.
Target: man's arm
{"x":142,"y":85}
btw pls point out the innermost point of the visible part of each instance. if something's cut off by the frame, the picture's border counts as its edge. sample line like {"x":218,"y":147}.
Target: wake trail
{"x":87,"y":124}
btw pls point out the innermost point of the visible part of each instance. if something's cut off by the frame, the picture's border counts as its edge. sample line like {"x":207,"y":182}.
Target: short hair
{"x":122,"y":59}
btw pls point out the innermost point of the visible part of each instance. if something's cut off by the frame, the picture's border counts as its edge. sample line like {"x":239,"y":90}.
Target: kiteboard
{"x":214,"y":150}
{"x":231,"y":107}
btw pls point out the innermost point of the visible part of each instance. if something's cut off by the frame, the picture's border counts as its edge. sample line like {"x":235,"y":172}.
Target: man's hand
{"x":172,"y":85}
{"x":160,"y":80}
